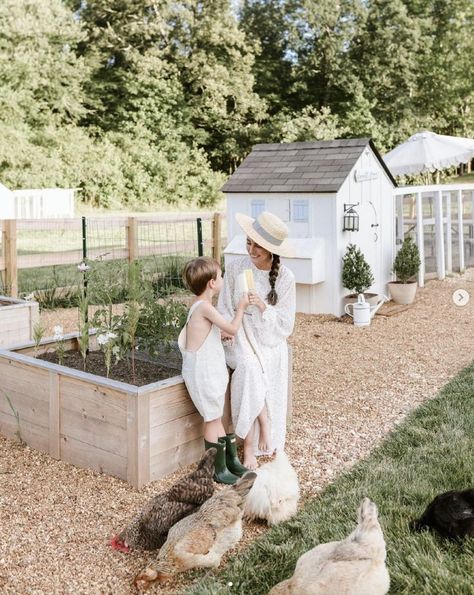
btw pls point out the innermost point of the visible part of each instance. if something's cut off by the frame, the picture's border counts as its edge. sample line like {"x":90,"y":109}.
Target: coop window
{"x":258,"y":206}
{"x":300,"y":211}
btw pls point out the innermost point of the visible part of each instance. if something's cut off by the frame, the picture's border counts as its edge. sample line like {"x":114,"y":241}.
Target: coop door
{"x":280,"y":207}
{"x":368,"y":238}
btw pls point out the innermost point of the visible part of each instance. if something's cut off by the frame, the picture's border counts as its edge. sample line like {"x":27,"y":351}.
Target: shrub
{"x":356,"y":273}
{"x":407,"y":261}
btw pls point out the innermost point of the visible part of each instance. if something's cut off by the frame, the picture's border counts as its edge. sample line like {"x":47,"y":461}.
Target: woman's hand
{"x":244,"y":300}
{"x":255,"y":300}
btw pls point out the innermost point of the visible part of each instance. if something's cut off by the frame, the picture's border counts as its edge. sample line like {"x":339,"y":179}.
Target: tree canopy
{"x":140,"y":102}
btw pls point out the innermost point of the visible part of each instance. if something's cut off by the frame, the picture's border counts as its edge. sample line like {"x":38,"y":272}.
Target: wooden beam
{"x":132,"y":239}
{"x":11,"y":275}
{"x":439,"y":235}
{"x":420,"y":234}
{"x":449,"y":235}
{"x":217,"y":236}
{"x":462,"y":266}
{"x":138,"y":439}
{"x":54,"y":421}
{"x":400,"y":222}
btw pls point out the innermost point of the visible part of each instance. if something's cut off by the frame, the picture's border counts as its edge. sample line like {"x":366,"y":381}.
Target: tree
{"x":215,"y":62}
{"x":309,"y":124}
{"x":386,"y":53}
{"x":446,"y":91}
{"x":42,"y":95}
{"x":136,"y":99}
{"x":356,"y":273}
{"x":267,"y":25}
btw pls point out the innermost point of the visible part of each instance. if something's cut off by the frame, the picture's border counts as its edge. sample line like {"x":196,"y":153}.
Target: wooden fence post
{"x":11,"y":268}
{"x":217,"y":236}
{"x":132,"y":239}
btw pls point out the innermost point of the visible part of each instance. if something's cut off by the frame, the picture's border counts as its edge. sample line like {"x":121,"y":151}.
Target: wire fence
{"x":42,"y":256}
{"x":407,"y":219}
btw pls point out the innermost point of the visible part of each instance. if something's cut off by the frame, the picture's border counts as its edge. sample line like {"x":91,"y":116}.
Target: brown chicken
{"x":149,"y":529}
{"x":201,"y":539}
{"x":353,"y":566}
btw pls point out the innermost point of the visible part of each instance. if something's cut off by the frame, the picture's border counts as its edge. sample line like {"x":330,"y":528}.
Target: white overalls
{"x":205,"y":371}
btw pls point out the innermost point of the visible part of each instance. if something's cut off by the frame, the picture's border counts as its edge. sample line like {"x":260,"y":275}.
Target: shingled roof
{"x":319,"y":166}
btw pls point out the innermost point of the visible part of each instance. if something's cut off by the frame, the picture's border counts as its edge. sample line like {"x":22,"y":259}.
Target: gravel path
{"x":350,"y":386}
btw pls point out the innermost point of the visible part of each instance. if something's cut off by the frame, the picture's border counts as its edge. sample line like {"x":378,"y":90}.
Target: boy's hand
{"x":255,"y":300}
{"x":227,"y":340}
{"x":244,"y":301}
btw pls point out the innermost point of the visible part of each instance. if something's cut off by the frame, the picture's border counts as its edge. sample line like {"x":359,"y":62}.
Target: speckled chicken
{"x":149,"y":529}
{"x":202,"y":538}
{"x":353,"y":566}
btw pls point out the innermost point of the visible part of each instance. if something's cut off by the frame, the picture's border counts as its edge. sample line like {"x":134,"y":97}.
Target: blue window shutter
{"x":300,"y":211}
{"x":258,"y":206}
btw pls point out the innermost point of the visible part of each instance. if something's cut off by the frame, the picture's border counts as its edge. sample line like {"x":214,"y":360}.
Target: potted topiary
{"x":357,"y":275}
{"x":405,"y":266}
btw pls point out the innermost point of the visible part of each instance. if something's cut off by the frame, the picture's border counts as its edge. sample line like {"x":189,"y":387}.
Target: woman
{"x":259,"y":353}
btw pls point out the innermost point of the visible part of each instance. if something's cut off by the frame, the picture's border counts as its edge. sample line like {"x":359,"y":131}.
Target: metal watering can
{"x":362,"y":311}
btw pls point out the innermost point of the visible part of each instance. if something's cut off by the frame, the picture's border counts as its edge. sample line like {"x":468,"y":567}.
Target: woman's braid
{"x":272,"y":296}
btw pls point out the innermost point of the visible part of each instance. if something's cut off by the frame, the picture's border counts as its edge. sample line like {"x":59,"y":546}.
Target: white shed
{"x":308,"y":184}
{"x":44,"y":203}
{"x":7,"y":203}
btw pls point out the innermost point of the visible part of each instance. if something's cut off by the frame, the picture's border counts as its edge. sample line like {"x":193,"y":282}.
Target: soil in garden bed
{"x":146,"y":372}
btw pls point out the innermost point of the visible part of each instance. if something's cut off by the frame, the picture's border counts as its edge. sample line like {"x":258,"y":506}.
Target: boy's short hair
{"x":198,"y":272}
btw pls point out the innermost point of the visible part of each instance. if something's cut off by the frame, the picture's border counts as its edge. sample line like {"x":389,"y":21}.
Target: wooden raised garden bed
{"x":17,"y":319}
{"x":139,"y":434}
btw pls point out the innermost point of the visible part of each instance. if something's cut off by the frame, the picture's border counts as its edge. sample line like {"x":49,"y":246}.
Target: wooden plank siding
{"x":175,"y":430}
{"x":24,"y":404}
{"x":17,"y":320}
{"x":139,"y":434}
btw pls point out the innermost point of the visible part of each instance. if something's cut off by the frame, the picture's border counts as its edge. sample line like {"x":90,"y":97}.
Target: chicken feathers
{"x":202,"y":538}
{"x":149,"y":529}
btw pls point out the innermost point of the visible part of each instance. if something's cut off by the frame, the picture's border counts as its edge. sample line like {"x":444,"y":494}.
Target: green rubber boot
{"x":231,"y":458}
{"x":221,"y":473}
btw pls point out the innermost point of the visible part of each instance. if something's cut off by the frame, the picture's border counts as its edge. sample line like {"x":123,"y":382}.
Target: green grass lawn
{"x":432,"y":451}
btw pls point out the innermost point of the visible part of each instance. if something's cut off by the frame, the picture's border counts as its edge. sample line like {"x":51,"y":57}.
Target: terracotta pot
{"x":402,"y":293}
{"x":372,"y":298}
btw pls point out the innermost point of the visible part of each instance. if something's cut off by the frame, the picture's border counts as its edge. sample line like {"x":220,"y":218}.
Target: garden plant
{"x":142,"y":323}
{"x":357,"y":275}
{"x":407,"y":261}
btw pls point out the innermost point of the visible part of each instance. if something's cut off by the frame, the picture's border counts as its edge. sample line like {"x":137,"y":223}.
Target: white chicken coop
{"x":311,"y":185}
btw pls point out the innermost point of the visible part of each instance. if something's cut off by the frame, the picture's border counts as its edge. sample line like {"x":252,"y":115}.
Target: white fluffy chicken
{"x":353,"y":566}
{"x":275,"y":493}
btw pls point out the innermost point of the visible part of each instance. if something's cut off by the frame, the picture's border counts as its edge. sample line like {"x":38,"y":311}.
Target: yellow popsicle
{"x":250,"y":280}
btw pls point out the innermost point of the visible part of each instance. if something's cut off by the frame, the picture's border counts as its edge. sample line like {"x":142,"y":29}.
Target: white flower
{"x":58,"y":333}
{"x":102,"y":339}
{"x":29,"y":297}
{"x":175,"y":322}
{"x":83,"y":267}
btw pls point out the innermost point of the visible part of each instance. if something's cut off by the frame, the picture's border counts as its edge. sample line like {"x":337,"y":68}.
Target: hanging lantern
{"x":351,"y":218}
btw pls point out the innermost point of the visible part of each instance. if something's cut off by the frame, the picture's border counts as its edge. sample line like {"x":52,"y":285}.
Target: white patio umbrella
{"x":427,"y":152}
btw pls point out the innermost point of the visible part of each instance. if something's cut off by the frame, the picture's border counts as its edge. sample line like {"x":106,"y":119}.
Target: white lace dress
{"x":259,"y":356}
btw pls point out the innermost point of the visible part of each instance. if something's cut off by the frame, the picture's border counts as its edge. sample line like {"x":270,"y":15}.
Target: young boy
{"x":204,"y":367}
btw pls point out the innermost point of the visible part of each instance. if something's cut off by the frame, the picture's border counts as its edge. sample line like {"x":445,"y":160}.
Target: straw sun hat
{"x":268,"y":231}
